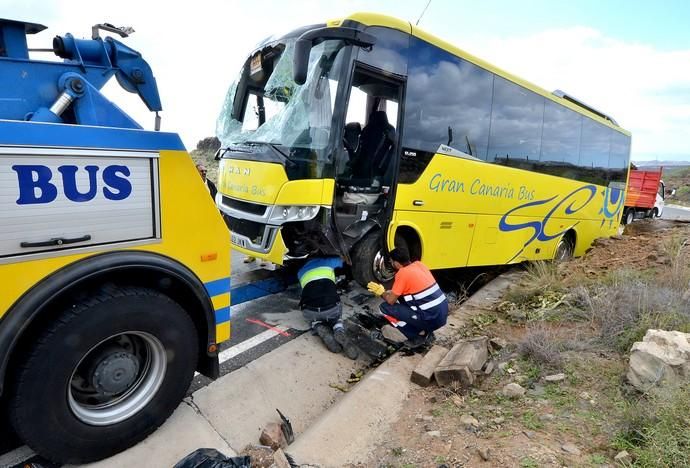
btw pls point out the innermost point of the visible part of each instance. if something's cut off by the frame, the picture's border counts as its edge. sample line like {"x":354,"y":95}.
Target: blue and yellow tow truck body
{"x":95,"y":213}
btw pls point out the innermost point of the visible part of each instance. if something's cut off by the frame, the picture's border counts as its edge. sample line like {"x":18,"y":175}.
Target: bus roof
{"x":376,"y":19}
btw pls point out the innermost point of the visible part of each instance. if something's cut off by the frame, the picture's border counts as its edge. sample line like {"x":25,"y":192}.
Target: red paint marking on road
{"x":270,"y":327}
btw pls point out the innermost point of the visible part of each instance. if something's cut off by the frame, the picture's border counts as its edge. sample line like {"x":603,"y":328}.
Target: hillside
{"x":204,"y":153}
{"x":678,"y":178}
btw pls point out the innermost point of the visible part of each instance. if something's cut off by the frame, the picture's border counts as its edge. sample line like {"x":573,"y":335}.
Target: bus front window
{"x":264,"y":108}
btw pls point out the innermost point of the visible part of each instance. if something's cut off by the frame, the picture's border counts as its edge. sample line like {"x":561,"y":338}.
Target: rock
{"x":498,"y":343}
{"x":484,"y":453}
{"x":465,"y":358}
{"x":489,"y":367}
{"x":433,"y":433}
{"x":530,"y":434}
{"x":469,"y":421}
{"x":570,"y":448}
{"x":273,"y":436}
{"x":521,"y":378}
{"x":537,"y":391}
{"x":623,"y":458}
{"x":547,"y":417}
{"x":513,"y":390}
{"x":427,"y":418}
{"x":502,"y":366}
{"x":555,"y":378}
{"x":662,"y":358}
{"x":498,"y":420}
{"x":391,"y":333}
{"x":424,"y":371}
{"x":280,"y":460}
{"x":517,"y":315}
{"x":478,"y":393}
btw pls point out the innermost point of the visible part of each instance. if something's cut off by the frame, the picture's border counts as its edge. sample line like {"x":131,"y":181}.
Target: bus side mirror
{"x":301,"y":60}
{"x":309,"y":39}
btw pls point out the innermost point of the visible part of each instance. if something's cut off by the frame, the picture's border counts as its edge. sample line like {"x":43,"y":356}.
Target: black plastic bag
{"x":212,"y":458}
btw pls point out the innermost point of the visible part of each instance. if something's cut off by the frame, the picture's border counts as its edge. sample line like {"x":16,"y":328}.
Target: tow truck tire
{"x":105,"y":374}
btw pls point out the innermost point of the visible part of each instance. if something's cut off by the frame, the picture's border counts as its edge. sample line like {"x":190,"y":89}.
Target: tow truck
{"x":114,"y":261}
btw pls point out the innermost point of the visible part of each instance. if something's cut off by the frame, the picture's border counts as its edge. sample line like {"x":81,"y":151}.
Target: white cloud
{"x":645,"y":89}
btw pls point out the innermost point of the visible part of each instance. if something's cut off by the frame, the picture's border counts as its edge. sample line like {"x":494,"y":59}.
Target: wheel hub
{"x":115,"y":373}
{"x":382,"y":269}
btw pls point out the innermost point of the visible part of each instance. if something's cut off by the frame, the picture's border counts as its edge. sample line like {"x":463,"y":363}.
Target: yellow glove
{"x":376,"y":288}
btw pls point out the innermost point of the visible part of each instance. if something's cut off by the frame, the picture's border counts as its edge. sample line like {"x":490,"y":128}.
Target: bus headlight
{"x":282,"y":214}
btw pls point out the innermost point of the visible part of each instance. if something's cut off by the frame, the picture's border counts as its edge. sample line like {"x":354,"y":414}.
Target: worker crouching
{"x":415,"y":305}
{"x":321,"y":306}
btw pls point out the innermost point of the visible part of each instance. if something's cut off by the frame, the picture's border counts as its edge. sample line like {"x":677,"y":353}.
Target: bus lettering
{"x":496,"y":191}
{"x":437,"y":184}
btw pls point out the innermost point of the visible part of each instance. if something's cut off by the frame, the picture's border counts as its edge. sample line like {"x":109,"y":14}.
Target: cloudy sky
{"x":629,"y":58}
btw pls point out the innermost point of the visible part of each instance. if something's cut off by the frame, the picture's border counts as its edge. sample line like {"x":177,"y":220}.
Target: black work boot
{"x":350,"y":349}
{"x":326,"y":334}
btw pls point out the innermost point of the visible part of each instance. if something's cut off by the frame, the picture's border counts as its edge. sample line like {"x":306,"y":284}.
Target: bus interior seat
{"x":351,"y":138}
{"x":371,"y":160}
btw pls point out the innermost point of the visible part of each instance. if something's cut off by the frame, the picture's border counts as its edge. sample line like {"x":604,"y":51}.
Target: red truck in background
{"x":645,"y":195}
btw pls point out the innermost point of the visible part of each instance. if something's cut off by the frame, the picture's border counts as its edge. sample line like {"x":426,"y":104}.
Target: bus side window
{"x":517,"y":115}
{"x":443,"y":91}
{"x":618,"y":158}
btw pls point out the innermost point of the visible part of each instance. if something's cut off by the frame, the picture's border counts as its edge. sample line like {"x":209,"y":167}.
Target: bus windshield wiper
{"x":274,"y":147}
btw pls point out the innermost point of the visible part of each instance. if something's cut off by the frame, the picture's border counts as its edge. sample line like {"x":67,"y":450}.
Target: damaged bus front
{"x":294,"y":180}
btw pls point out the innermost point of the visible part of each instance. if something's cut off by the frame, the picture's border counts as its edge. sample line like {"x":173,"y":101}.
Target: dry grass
{"x":542,"y":346}
{"x":656,"y":429}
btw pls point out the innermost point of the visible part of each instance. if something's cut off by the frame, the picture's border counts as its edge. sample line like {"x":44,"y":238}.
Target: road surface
{"x":676,"y":213}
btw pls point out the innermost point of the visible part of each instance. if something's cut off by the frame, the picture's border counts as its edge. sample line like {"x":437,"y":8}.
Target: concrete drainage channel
{"x":274,"y":364}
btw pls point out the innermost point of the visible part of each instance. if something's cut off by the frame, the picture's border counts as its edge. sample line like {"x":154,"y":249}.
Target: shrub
{"x":541,"y":345}
{"x":657,"y":430}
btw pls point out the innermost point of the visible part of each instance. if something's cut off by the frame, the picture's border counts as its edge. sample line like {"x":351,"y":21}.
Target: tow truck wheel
{"x":106,"y":374}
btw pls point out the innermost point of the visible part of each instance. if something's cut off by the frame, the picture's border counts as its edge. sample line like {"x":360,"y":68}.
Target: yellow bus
{"x":364,"y":133}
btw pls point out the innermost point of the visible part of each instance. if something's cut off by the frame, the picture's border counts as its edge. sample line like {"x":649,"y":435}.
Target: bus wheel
{"x":370,"y":262}
{"x":564,"y":249}
{"x":104,"y":375}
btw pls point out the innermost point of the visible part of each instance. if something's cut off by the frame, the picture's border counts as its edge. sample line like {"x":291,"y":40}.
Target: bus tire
{"x":370,"y":262}
{"x":564,"y":248}
{"x":104,"y":375}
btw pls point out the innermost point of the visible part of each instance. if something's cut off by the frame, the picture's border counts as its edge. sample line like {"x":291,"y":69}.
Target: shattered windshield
{"x":264,"y":106}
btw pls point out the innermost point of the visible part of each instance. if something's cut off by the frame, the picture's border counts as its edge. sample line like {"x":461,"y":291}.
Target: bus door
{"x":367,"y":161}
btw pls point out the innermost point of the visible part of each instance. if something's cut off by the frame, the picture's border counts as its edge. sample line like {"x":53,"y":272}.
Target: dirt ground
{"x":568,"y":422}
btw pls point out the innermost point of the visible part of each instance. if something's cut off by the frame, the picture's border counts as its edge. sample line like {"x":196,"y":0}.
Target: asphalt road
{"x":676,"y":213}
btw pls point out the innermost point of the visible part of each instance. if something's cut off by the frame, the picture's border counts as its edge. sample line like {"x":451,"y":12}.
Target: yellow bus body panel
{"x":267,"y":184}
{"x":190,"y":228}
{"x":477,"y":213}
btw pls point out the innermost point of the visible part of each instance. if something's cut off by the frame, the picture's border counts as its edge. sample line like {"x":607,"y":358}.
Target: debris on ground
{"x":212,"y":458}
{"x":272,"y":436}
{"x":462,"y":362}
{"x":424,"y":371}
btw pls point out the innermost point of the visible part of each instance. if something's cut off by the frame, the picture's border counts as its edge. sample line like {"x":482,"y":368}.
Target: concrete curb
{"x":350,"y":430}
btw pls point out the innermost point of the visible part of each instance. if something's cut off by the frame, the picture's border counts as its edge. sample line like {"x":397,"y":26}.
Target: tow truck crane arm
{"x":69,"y":91}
